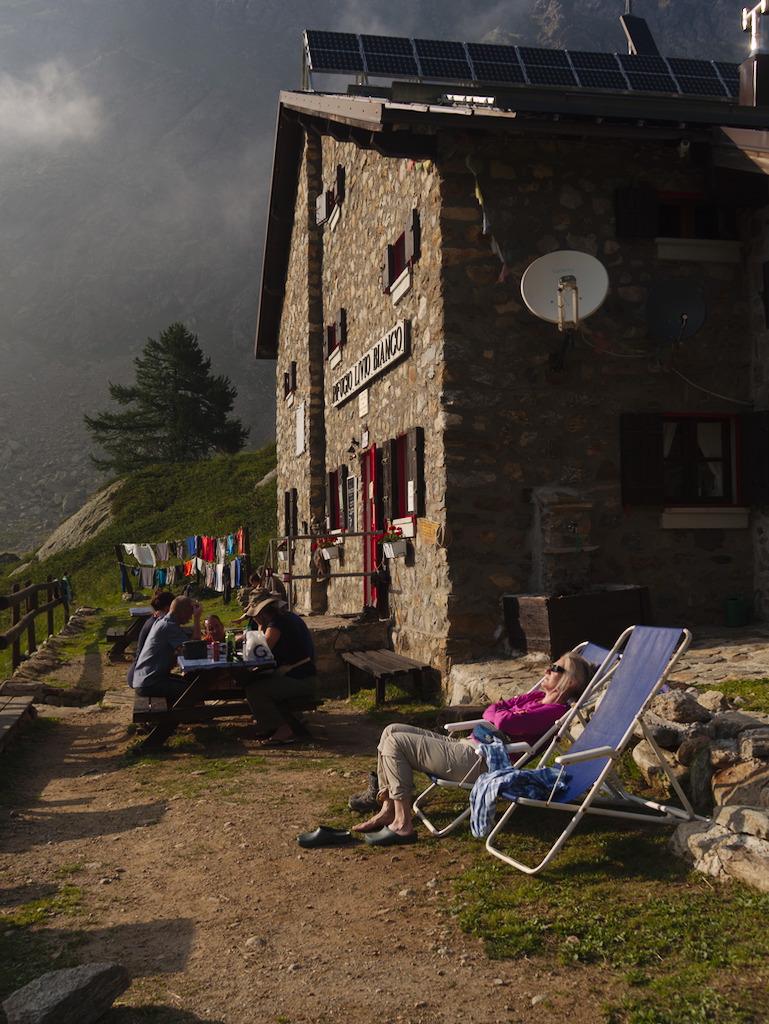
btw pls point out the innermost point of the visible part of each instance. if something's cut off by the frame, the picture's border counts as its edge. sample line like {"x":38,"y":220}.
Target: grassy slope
{"x":163,"y":502}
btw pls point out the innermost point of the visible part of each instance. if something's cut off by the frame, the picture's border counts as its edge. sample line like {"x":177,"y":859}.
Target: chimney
{"x":639,"y":37}
{"x":754,"y":72}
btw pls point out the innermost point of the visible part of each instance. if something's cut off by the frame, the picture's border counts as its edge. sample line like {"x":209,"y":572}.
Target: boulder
{"x":486,"y":682}
{"x":75,"y":995}
{"x":744,"y":783}
{"x":728,"y":724}
{"x":667,"y":733}
{"x":679,"y":706}
{"x":713,"y":700}
{"x":733,"y":844}
{"x":754,"y":744}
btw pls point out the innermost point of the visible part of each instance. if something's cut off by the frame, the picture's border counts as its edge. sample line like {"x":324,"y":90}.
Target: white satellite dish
{"x":565,"y":287}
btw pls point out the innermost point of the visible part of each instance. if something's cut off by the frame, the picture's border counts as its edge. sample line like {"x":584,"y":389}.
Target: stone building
{"x":624,"y":458}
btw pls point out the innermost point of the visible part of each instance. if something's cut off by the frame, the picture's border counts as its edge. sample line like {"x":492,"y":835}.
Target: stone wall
{"x":514,"y":420}
{"x":518,"y":427}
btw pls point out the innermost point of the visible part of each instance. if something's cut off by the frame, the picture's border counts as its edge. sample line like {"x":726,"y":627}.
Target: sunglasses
{"x":556,"y":668}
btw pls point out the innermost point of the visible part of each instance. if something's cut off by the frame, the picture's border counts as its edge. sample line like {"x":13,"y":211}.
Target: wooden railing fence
{"x":27,"y":595}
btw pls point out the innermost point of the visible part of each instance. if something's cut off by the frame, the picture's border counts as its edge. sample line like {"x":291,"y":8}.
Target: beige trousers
{"x":404,"y":749}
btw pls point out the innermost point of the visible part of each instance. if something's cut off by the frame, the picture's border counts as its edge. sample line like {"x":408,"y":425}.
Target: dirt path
{"x":191,"y":877}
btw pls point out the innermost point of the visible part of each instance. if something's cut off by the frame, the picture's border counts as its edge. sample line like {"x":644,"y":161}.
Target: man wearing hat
{"x":291,"y":644}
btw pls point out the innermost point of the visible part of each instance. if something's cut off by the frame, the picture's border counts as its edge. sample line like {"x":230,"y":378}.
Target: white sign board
{"x":389,"y":350}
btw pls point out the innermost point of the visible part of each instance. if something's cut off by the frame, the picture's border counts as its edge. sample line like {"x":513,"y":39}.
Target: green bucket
{"x":737,"y":609}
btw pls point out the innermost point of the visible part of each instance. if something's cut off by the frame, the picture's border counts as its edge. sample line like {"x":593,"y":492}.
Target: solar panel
{"x":601,"y":79}
{"x":651,"y":83}
{"x":434,"y":68}
{"x":697,"y":86}
{"x":549,"y":58}
{"x":485,"y":71}
{"x":333,"y":40}
{"x":646,"y":65}
{"x":336,"y":60}
{"x":494,"y":63}
{"x":539,"y":75}
{"x":594,"y":61}
{"x":439,"y":48}
{"x":391,"y":64}
{"x":386,"y":44}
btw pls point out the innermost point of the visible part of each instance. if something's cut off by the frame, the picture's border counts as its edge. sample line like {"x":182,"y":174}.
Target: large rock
{"x":733,"y":845}
{"x":744,"y":783}
{"x":679,"y":706}
{"x":729,"y":724}
{"x":75,"y":995}
{"x":486,"y":682}
{"x":94,"y":516}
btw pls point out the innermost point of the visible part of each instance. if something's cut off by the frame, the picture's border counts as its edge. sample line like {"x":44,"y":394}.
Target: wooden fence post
{"x":32,"y":604}
{"x":15,"y":618}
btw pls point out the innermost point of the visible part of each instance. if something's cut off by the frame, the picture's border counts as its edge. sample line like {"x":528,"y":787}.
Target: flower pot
{"x":283,"y":556}
{"x":331,"y":552}
{"x":395,"y":548}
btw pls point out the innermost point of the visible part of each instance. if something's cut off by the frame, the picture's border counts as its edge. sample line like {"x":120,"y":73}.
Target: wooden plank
{"x":14,"y":713}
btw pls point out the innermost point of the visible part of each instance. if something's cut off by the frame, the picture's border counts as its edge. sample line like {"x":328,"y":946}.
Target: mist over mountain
{"x":135,"y":152}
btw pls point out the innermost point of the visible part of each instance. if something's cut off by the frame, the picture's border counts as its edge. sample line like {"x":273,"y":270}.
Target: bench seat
{"x":380,"y":665}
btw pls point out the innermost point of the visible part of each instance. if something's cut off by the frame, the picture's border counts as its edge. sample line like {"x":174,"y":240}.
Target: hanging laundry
{"x":221,"y":549}
{"x":147,"y":577}
{"x":163,"y":551}
{"x":207,"y":549}
{"x":192,"y":546}
{"x":219,"y":577}
{"x":189,"y":567}
{"x":124,"y":584}
{"x":230,"y":544}
{"x":241,"y":536}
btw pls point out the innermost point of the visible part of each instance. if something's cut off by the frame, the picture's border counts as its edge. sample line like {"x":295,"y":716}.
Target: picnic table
{"x":120,"y":637}
{"x":199,"y":702}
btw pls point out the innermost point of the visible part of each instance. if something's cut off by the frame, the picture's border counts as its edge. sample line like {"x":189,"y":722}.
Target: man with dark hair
{"x":152,"y":675}
{"x":160,"y":603}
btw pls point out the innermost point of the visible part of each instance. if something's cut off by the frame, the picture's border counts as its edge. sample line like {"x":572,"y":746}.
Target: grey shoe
{"x":363,"y":802}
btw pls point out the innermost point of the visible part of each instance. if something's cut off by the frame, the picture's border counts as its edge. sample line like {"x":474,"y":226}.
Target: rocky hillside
{"x":135,"y":149}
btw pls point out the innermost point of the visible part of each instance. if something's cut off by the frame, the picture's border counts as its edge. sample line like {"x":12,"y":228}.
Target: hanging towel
{"x":535,"y":783}
{"x":147,"y":576}
{"x":207,"y":549}
{"x":219,"y":577}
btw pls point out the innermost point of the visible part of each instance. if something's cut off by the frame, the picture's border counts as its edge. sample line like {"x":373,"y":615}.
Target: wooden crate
{"x":541,"y":622}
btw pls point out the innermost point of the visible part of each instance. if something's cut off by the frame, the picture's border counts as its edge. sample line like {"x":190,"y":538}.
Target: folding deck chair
{"x":520,"y":753}
{"x":648,"y":654}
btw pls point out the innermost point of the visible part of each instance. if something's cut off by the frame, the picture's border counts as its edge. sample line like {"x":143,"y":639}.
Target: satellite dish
{"x":565,"y":287}
{"x":675,"y":309}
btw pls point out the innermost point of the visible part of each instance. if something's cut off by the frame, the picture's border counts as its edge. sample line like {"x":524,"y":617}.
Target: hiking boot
{"x":364,"y":802}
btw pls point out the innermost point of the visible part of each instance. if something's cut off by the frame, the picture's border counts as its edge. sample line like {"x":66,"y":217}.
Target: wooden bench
{"x":382,"y":665}
{"x":14,"y":712}
{"x":162,"y":718}
{"x":118,"y":642}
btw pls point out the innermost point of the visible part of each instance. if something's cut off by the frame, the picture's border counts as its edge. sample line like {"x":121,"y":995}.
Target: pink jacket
{"x":524,"y":717}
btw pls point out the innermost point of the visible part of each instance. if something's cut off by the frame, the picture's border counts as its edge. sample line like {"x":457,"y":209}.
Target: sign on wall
{"x":352,"y":495}
{"x":388,"y":351}
{"x":300,"y":428}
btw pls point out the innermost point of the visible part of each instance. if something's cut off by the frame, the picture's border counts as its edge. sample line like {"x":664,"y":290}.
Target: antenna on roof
{"x":639,"y":37}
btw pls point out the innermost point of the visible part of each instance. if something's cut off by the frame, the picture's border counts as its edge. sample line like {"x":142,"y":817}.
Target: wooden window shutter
{"x":341,"y":496}
{"x":293,"y":376}
{"x":339,"y":185}
{"x":287,"y":512}
{"x":636,"y":211}
{"x":415,"y":471}
{"x":641,"y":447}
{"x":321,"y":208}
{"x":389,"y":478}
{"x":330,"y":497}
{"x":754,"y":458}
{"x":294,"y":511}
{"x":340,"y":327}
{"x":388,"y":269}
{"x":413,"y":239}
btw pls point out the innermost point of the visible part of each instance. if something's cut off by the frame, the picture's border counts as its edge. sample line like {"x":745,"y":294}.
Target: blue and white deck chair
{"x":521,"y":753}
{"x":648,"y":654}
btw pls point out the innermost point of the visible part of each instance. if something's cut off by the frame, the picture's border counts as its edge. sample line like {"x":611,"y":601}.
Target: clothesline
{"x":197,"y":556}
{"x":210,"y":549}
{"x":219,"y":576}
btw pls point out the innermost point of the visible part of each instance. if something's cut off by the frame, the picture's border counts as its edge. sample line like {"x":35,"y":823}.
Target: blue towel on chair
{"x":535,"y":783}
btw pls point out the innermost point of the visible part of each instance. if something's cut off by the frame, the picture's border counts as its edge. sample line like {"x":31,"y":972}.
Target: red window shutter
{"x":641,"y":447}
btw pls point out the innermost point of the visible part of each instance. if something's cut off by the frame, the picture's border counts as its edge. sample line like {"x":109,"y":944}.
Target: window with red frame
{"x":403,"y":253}
{"x":289,"y":380}
{"x":336,"y":333}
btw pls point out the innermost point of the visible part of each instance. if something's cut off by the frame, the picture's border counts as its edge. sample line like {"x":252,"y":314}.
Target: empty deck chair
{"x":648,"y":656}
{"x":519,"y":753}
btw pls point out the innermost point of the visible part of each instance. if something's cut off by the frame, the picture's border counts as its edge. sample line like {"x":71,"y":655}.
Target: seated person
{"x":152,"y":675}
{"x":404,"y":749}
{"x":291,"y":644}
{"x":215,"y":631}
{"x":160,"y":603}
{"x":261,"y":579}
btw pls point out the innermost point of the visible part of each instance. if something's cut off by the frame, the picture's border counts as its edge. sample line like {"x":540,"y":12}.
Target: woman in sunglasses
{"x":404,"y":749}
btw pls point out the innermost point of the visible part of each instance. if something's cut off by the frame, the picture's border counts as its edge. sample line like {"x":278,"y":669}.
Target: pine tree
{"x":176,"y":411}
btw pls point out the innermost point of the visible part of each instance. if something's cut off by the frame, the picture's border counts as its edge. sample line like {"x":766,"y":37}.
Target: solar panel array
{"x":475,"y":63}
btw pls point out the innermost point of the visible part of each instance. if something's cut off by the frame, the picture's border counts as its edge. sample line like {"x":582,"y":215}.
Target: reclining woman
{"x":404,"y":749}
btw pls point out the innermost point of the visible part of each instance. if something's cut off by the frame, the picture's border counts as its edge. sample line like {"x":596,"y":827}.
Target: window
{"x":643,"y":211}
{"x":403,"y":475}
{"x":695,"y":460}
{"x":402,"y":255}
{"x":336,"y":333}
{"x":336,"y":499}
{"x":331,"y":199}
{"x":289,"y":381}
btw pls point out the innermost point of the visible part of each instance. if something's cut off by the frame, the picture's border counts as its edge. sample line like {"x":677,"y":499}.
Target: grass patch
{"x":616,"y":897}
{"x":754,"y":693}
{"x":27,"y":948}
